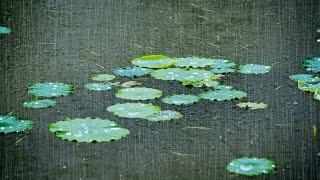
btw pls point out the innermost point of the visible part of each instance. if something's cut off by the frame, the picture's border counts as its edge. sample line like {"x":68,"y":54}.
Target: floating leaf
{"x":251,"y":105}
{"x":317,"y":94}
{"x":222,"y":87}
{"x":308,"y":87}
{"x":88,"y":130}
{"x":139,"y":93}
{"x":168,"y":74}
{"x":130,"y":84}
{"x":254,"y":69}
{"x":132,"y":71}
{"x":103,"y":77}
{"x":4,"y":30}
{"x":154,"y":61}
{"x":37,"y":104}
{"x":223,"y":95}
{"x":167,"y":115}
{"x":181,"y":99}
{"x":306,"y":78}
{"x":98,"y":86}
{"x":194,"y":62}
{"x":251,"y":166}
{"x":312,"y":64}
{"x":210,"y":82}
{"x":50,"y":89}
{"x":134,"y":110}
{"x":9,"y":124}
{"x":220,"y":66}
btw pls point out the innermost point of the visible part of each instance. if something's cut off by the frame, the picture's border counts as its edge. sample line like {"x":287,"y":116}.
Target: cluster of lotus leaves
{"x":220,"y":66}
{"x":154,"y":61}
{"x":134,"y":110}
{"x":98,"y":86}
{"x":253,"y":69}
{"x":5,"y":30}
{"x":9,"y":124}
{"x":194,"y":62}
{"x":132,"y":71}
{"x":181,"y":99}
{"x":50,"y":89}
{"x":251,"y":166}
{"x":139,"y":93}
{"x":88,"y":130}
{"x":183,"y":75}
{"x":223,"y":95}
{"x":38,"y":104}
{"x":103,"y":77}
{"x":312,"y":64}
{"x":305,"y":78}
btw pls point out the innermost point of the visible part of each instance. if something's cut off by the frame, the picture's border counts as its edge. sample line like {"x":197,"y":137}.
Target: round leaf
{"x":37,"y":104}
{"x":138,"y":93}
{"x":9,"y":124}
{"x":312,"y":64}
{"x":103,"y":77}
{"x":194,"y":62}
{"x":134,"y":110}
{"x":181,"y":99}
{"x":222,"y":66}
{"x":167,"y":115}
{"x":132,"y":71}
{"x":50,"y":89}
{"x":251,"y":166}
{"x":154,"y":61}
{"x":223,"y":95}
{"x":97,"y":86}
{"x":254,"y":69}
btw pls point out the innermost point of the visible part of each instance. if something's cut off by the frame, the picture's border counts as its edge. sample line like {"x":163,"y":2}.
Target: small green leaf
{"x":4,"y":30}
{"x":132,"y":71}
{"x":154,"y":61}
{"x":50,"y":89}
{"x":220,"y":66}
{"x":98,"y":86}
{"x":223,"y":95}
{"x":139,"y":93}
{"x":194,"y":62}
{"x":103,"y":77}
{"x":181,"y":99}
{"x":312,"y":64}
{"x":134,"y":110}
{"x":37,"y":104}
{"x":251,"y":166}
{"x":9,"y":124}
{"x":253,"y":69}
{"x":167,"y":115}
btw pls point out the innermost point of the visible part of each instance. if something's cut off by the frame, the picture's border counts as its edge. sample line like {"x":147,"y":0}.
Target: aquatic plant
{"x":50,"y":89}
{"x":37,"y":104}
{"x":181,"y":99}
{"x":220,"y":66}
{"x":130,"y":84}
{"x":103,"y":77}
{"x":134,"y":110}
{"x":194,"y":62}
{"x":98,"y":86}
{"x":251,"y":166}
{"x":223,"y":95}
{"x":4,"y":30}
{"x":317,"y":94}
{"x":306,"y":78}
{"x":154,"y":61}
{"x":9,"y":124}
{"x":132,"y":71}
{"x":308,"y":87}
{"x":167,"y":115}
{"x":252,"y":105}
{"x":138,"y":93}
{"x":312,"y":64}
{"x":88,"y":130}
{"x":253,"y":69}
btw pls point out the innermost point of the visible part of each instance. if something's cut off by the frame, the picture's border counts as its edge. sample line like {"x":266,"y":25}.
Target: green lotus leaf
{"x":308,"y":87}
{"x":132,"y":71}
{"x":37,"y":104}
{"x":220,"y":66}
{"x":168,"y":74}
{"x":154,"y":61}
{"x":181,"y":99}
{"x":253,"y":69}
{"x":317,"y":94}
{"x":167,"y":115}
{"x":194,"y":62}
{"x":9,"y":124}
{"x":98,"y":86}
{"x":223,"y":95}
{"x":138,"y":93}
{"x":50,"y":89}
{"x":4,"y":30}
{"x":312,"y":64}
{"x":134,"y":110}
{"x":88,"y":130}
{"x":306,"y":78}
{"x":252,"y":105}
{"x":251,"y":166}
{"x":103,"y":77}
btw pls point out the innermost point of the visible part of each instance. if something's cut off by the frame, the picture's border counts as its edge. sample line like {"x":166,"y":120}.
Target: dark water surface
{"x":68,"y":41}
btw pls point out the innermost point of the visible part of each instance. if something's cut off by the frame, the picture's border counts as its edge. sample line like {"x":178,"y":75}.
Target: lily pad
{"x":5,"y":30}
{"x":220,"y":66}
{"x":50,"y":89}
{"x":317,"y":94}
{"x":98,"y":86}
{"x":88,"y":130}
{"x":312,"y":64}
{"x":154,"y":61}
{"x":223,"y":95}
{"x":252,"y":105}
{"x":103,"y":77}
{"x":194,"y":62}
{"x":139,"y":93}
{"x":308,"y":87}
{"x":306,"y":78}
{"x":253,"y":69}
{"x":134,"y":110}
{"x":132,"y":71}
{"x":9,"y":124}
{"x":222,"y":87}
{"x":37,"y":104}
{"x":167,"y":115}
{"x":168,"y":74}
{"x":181,"y":99}
{"x":251,"y":166}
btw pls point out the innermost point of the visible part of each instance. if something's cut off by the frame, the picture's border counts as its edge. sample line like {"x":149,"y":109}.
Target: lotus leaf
{"x":98,"y":86}
{"x":132,"y":71}
{"x":251,"y":166}
{"x":50,"y":89}
{"x":254,"y":69}
{"x":181,"y":99}
{"x":9,"y":124}
{"x":165,"y":116}
{"x":154,"y":61}
{"x":134,"y":110}
{"x":37,"y":104}
{"x":312,"y":64}
{"x":223,"y":95}
{"x":103,"y":77}
{"x":138,"y":93}
{"x":194,"y":62}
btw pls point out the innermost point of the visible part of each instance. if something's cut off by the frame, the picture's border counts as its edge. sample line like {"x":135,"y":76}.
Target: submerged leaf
{"x":167,"y":115}
{"x":181,"y":99}
{"x":132,"y":71}
{"x":88,"y":130}
{"x":37,"y":104}
{"x":253,"y":69}
{"x":139,"y":93}
{"x":223,"y":95}
{"x":103,"y":77}
{"x":222,"y":66}
{"x":134,"y":110}
{"x":251,"y":105}
{"x":98,"y":86}
{"x":154,"y":61}
{"x":9,"y":124}
{"x":312,"y":64}
{"x":251,"y":166}
{"x":50,"y":89}
{"x":306,"y":78}
{"x":4,"y":30}
{"x":194,"y":62}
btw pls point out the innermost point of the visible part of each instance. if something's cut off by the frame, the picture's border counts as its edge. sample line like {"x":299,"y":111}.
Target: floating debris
{"x":134,"y":110}
{"x":252,"y":105}
{"x":139,"y":93}
{"x":221,"y":66}
{"x":194,"y":62}
{"x":251,"y":166}
{"x":154,"y":61}
{"x":103,"y":77}
{"x":50,"y":89}
{"x":132,"y":71}
{"x":88,"y":130}
{"x":223,"y":95}
{"x":253,"y":69}
{"x":4,"y":30}
{"x":167,"y":115}
{"x":181,"y":99}
{"x":312,"y":64}
{"x":38,"y":104}
{"x":98,"y":86}
{"x":305,"y":78}
{"x":10,"y":124}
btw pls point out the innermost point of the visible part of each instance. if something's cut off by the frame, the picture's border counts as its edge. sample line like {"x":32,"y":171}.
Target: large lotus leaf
{"x":168,"y":74}
{"x":308,"y":87}
{"x":88,"y":130}
{"x":98,"y":86}
{"x":4,"y":30}
{"x":312,"y":64}
{"x":165,"y":116}
{"x":253,"y":69}
{"x":103,"y":77}
{"x":50,"y":89}
{"x":222,"y":66}
{"x":9,"y":124}
{"x":37,"y":104}
{"x":251,"y":166}
{"x":317,"y":94}
{"x":306,"y":78}
{"x":223,"y":95}
{"x":154,"y":61}
{"x":138,"y":93}
{"x":132,"y":71}
{"x":194,"y":62}
{"x":134,"y":110}
{"x":252,"y":105}
{"x":181,"y":99}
